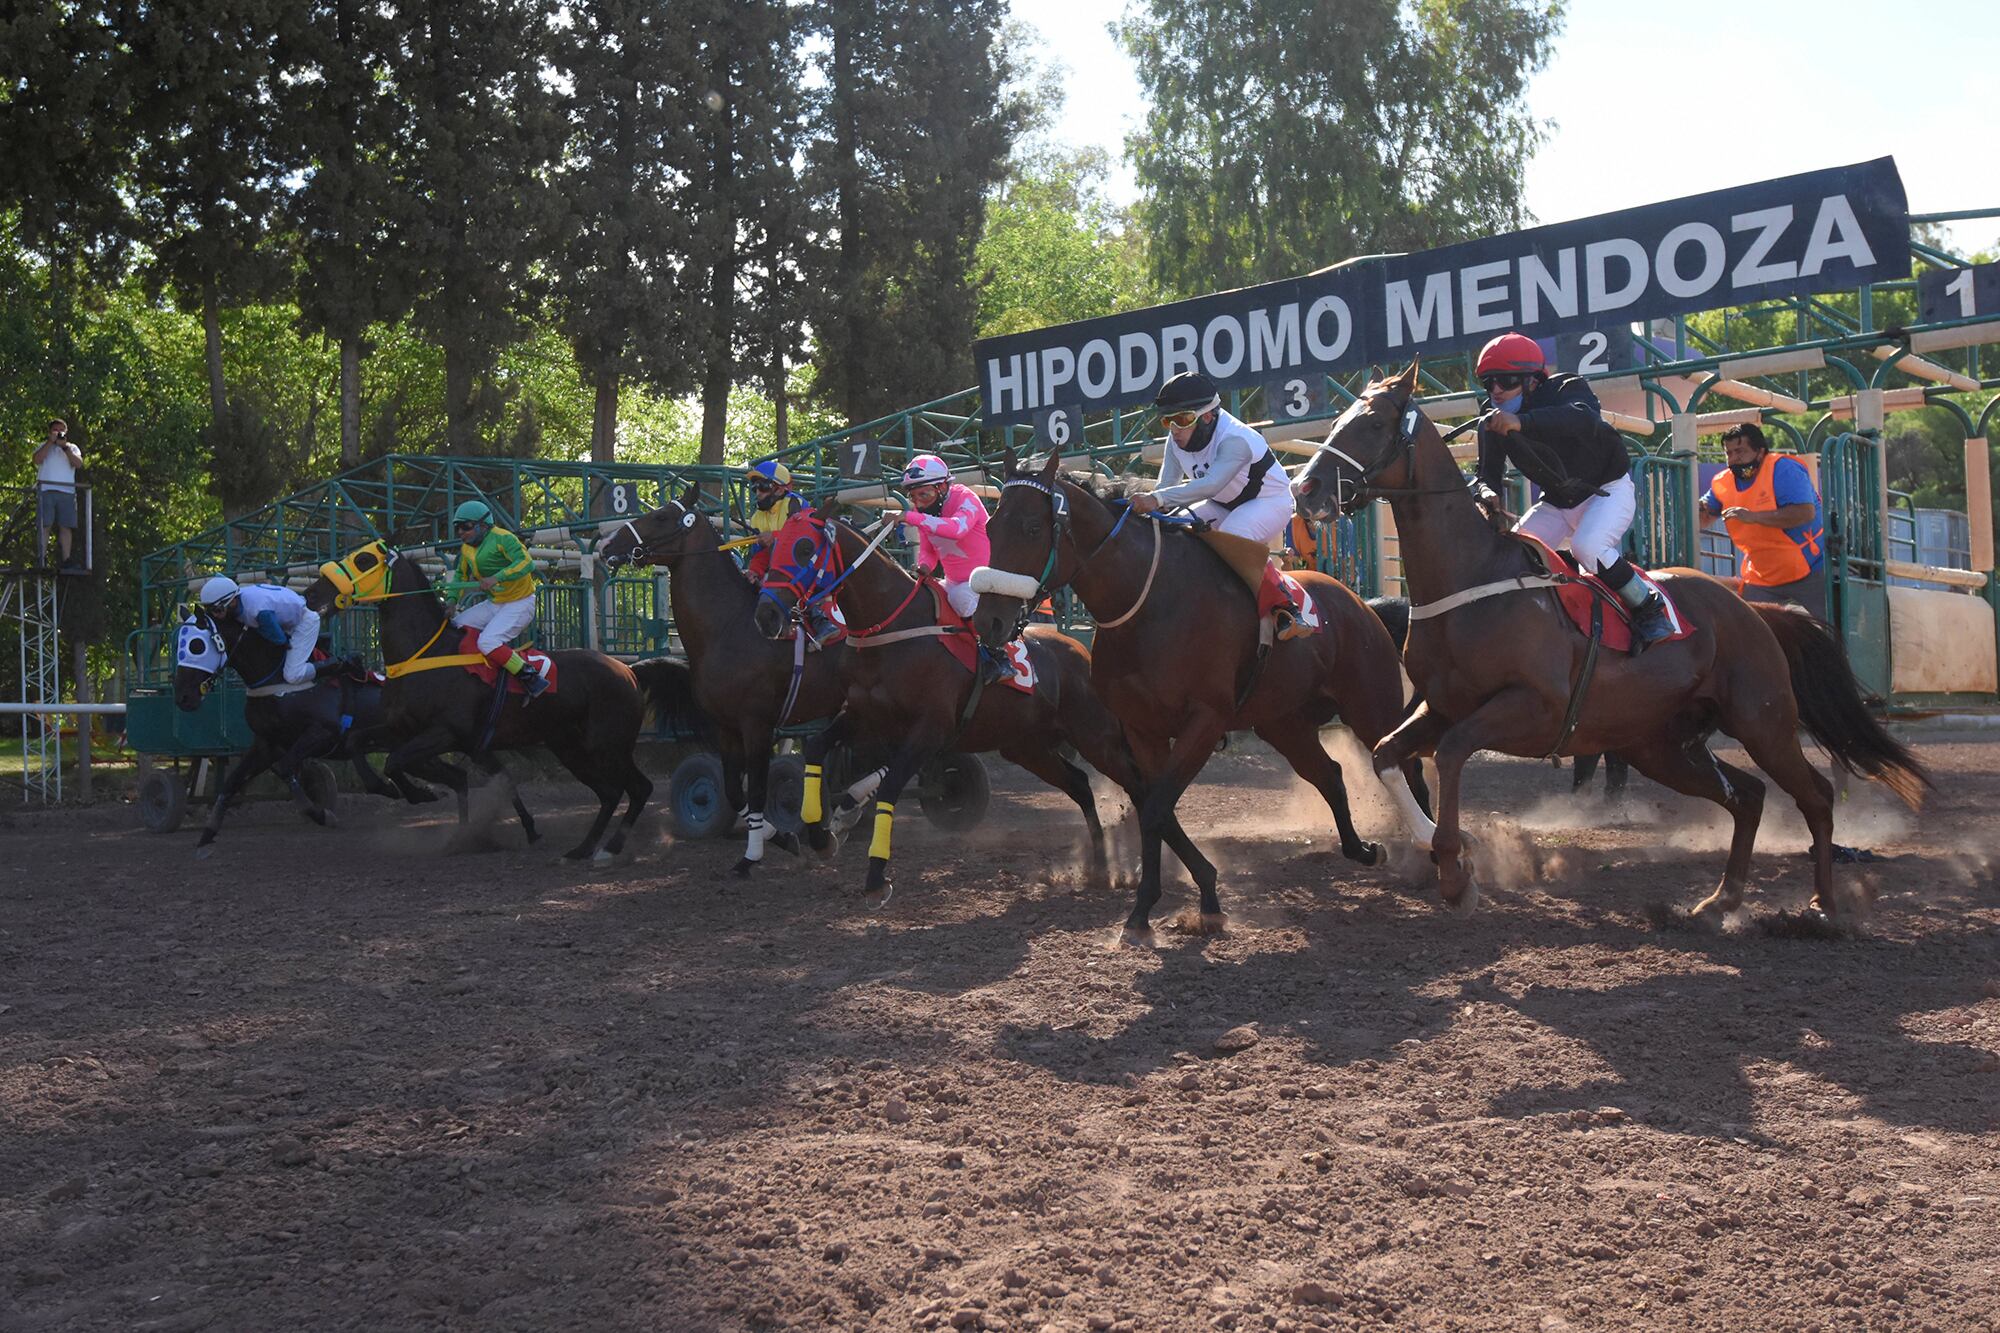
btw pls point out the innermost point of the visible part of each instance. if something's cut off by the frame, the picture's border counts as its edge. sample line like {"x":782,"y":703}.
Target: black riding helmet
{"x":1189,"y":391}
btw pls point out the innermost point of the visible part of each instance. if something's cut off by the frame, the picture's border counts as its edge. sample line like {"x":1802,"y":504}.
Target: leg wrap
{"x":865,"y":787}
{"x":759,"y":830}
{"x":885,"y":819}
{"x":809,"y":806}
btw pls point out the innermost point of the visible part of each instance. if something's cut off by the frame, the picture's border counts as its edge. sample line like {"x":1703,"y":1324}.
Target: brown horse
{"x":743,"y":682}
{"x":1176,"y":649}
{"x":906,"y":690}
{"x":590,"y":722}
{"x":1497,"y":672}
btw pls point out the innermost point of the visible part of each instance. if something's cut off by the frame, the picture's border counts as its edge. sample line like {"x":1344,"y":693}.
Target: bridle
{"x":1354,"y":481}
{"x":828,"y":569}
{"x":1062,"y":528}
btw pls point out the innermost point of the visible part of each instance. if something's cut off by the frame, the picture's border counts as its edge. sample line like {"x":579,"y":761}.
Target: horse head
{"x":363,"y":575}
{"x":1370,"y":447}
{"x":806,"y":565}
{"x":199,"y":656}
{"x":1026,"y":533}
{"x":660,"y":536}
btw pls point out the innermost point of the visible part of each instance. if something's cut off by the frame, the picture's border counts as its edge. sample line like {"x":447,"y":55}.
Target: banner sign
{"x":1843,"y":227}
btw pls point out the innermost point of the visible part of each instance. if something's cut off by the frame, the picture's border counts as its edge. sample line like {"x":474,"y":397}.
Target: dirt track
{"x":336,"y":1079}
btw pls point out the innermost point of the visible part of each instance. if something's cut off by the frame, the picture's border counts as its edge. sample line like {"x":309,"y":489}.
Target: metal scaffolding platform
{"x":28,"y":599}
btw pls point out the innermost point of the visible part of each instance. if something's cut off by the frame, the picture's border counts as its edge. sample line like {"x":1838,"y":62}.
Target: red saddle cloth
{"x":1280,"y":591}
{"x":486,"y":671}
{"x":1577,"y":599}
{"x":965,"y":647}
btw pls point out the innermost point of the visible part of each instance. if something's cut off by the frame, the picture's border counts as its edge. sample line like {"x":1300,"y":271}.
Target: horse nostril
{"x":1308,"y":485}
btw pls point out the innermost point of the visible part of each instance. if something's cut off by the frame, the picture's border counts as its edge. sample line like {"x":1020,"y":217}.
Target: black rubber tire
{"x":162,"y":800}
{"x":784,"y":792}
{"x":955,"y":790}
{"x":695,"y":799}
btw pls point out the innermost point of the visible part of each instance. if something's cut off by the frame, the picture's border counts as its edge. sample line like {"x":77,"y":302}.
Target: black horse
{"x":339,"y":716}
{"x":743,"y":684}
{"x":590,"y":721}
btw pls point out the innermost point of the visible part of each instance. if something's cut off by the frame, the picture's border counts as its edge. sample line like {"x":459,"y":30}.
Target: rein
{"x":1059,"y":503}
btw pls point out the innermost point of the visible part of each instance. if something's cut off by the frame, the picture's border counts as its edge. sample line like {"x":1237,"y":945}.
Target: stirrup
{"x":533,"y":682}
{"x":1290,"y":625}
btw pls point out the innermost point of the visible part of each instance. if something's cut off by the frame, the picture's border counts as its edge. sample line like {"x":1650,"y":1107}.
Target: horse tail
{"x":1394,"y":613}
{"x":669,"y":688}
{"x":1832,"y":709}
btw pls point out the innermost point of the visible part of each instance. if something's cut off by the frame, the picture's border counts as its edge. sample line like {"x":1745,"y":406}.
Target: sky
{"x":1643,"y":99}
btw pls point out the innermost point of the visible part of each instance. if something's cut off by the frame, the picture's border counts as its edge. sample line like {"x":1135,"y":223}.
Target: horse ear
{"x":690,"y":493}
{"x":1008,"y":463}
{"x":1406,"y":382}
{"x":1050,"y":468}
{"x":831,"y":508}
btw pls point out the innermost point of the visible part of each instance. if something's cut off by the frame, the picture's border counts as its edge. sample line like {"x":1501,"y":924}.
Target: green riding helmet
{"x":472,"y":511}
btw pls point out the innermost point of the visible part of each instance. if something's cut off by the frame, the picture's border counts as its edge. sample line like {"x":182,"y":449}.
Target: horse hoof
{"x":1467,"y":901}
{"x":1371,"y":854}
{"x":878,"y":898}
{"x":576,"y":854}
{"x":785,"y":842}
{"x":601,"y":858}
{"x":1130,"y":937}
{"x":1202,"y":923}
{"x":203,"y":852}
{"x":742,"y":870}
{"x":328,"y":819}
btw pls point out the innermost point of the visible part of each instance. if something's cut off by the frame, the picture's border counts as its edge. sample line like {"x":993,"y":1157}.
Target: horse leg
{"x":260,"y":756}
{"x":1299,"y":743}
{"x":756,"y":768}
{"x":451,"y":775}
{"x":1148,"y":756}
{"x":1582,"y":769}
{"x":812,"y":806}
{"x":1514,"y":721}
{"x":1400,"y":751}
{"x":907,"y":763}
{"x":638,"y":790}
{"x":1777,"y":752}
{"x":1190,"y":751}
{"x":1692,"y":770}
{"x":1048,"y":764}
{"x":314,"y":740}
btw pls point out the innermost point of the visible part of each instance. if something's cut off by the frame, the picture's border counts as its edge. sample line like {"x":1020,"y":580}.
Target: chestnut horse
{"x":1175,"y":649}
{"x":907,"y":690}
{"x":1497,"y":668}
{"x":743,"y":682}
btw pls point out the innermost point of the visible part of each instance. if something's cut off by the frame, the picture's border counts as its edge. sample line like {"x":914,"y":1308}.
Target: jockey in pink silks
{"x":951,"y":536}
{"x":951,"y":528}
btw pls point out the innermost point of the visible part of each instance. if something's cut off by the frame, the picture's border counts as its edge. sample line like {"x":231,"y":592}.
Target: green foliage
{"x":1288,"y":135}
{"x":1055,"y":249}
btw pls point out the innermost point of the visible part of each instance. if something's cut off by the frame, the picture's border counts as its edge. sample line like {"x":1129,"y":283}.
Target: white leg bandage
{"x":1422,"y":830}
{"x":759,"y":830}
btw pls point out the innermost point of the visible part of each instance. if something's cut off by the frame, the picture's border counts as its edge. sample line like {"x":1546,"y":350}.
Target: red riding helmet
{"x":1512,"y":354}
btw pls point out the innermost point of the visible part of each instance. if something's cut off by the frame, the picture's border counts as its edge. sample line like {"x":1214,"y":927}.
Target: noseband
{"x":1350,"y":494}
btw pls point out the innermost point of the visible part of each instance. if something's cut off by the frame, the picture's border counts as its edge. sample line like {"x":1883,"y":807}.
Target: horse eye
{"x":1033,"y":527}
{"x":197,"y":646}
{"x":364,"y":561}
{"x":802,"y":550}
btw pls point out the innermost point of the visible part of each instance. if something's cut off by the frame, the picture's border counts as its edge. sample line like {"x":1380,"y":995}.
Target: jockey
{"x":1225,"y":473}
{"x":1551,"y":429}
{"x":771,"y":486}
{"x":494,"y":559}
{"x":951,"y":537}
{"x":279,"y":615}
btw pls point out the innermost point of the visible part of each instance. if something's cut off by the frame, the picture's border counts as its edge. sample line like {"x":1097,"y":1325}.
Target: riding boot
{"x":532,"y":681}
{"x":993,"y":668}
{"x":1650,"y":623}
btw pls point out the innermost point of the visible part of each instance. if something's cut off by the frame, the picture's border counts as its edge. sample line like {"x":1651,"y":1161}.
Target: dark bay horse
{"x":1496,"y":671}
{"x":742,"y":680}
{"x":1174,"y":651}
{"x":336,"y":717}
{"x":905,"y":689}
{"x":590,"y":722}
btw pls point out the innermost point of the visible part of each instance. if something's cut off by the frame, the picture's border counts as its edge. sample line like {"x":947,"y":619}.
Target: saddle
{"x":1274,"y":589}
{"x":1593,"y":606}
{"x":468,"y":645}
{"x":963,"y":644}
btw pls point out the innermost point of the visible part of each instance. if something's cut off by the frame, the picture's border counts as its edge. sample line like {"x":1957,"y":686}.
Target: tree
{"x":1286,"y":136}
{"x":622,"y":292}
{"x":339,"y":127}
{"x":1056,"y":250}
{"x":480,"y":128}
{"x":750,"y":226}
{"x":912,"y":134}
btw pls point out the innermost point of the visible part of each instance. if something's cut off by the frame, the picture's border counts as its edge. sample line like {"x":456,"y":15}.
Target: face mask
{"x":769,"y":498}
{"x":1746,"y":474}
{"x":1509,"y":404}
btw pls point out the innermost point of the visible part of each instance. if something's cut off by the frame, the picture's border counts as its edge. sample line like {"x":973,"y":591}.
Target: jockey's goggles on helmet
{"x":1180,"y":420}
{"x":1492,"y":382}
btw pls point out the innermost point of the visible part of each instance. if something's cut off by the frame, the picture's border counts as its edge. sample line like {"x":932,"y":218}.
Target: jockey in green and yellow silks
{"x":495,"y":560}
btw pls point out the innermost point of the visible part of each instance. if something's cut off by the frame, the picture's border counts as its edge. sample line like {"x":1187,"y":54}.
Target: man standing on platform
{"x":56,"y":463}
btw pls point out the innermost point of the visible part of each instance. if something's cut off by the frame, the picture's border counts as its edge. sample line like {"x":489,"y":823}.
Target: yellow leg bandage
{"x":885,"y":819}
{"x":809,"y":809}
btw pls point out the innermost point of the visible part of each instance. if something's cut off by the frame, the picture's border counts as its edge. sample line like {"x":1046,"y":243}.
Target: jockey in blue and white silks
{"x":275,"y":612}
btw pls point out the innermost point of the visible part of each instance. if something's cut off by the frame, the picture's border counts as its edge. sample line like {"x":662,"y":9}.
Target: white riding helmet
{"x":218,"y":590}
{"x":926,"y":470}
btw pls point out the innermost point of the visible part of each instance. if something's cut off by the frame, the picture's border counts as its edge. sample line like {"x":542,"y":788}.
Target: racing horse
{"x":744,"y":684}
{"x":335,"y":717}
{"x":1175,"y":663}
{"x":906,"y":689}
{"x":1500,"y":667}
{"x":590,"y":721}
